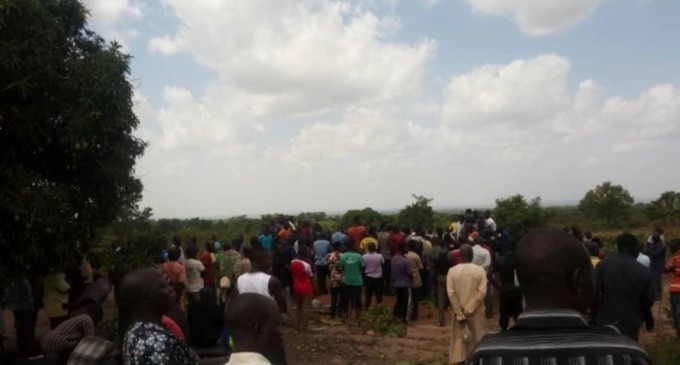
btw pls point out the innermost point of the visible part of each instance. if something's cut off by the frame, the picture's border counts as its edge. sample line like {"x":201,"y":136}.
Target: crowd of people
{"x":225,"y":303}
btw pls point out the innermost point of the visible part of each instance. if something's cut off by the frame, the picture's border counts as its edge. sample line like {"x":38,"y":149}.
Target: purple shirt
{"x":401,"y":272}
{"x":373,"y":262}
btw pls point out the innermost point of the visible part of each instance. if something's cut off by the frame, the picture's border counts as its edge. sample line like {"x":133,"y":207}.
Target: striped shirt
{"x":558,"y":337}
{"x":68,"y":334}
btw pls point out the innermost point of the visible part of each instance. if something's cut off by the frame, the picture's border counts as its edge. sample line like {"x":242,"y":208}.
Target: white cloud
{"x":112,"y":18}
{"x":538,"y":17}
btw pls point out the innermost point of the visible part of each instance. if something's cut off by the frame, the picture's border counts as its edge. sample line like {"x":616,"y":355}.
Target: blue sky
{"x":257,"y":106}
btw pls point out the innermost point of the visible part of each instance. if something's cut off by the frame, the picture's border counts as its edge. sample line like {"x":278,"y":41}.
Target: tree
{"x":368,"y":216}
{"x":66,"y":124}
{"x":666,"y":209}
{"x":609,"y":202}
{"x":518,"y":215}
{"x":418,"y":214}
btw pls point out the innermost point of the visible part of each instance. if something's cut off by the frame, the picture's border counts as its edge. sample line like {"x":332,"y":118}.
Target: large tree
{"x":609,"y":202}
{"x":519,"y":216}
{"x":66,"y":124}
{"x":418,"y":214}
{"x":666,"y":209}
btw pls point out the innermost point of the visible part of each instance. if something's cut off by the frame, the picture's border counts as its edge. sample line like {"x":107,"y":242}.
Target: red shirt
{"x":302,"y":275}
{"x":356,"y":234}
{"x":209,"y":272}
{"x":396,"y":239}
{"x":674,"y":264}
{"x":171,"y":326}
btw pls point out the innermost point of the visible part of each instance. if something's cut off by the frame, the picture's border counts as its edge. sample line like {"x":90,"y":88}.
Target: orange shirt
{"x":356,"y":234}
{"x":674,"y":264}
{"x":175,"y":272}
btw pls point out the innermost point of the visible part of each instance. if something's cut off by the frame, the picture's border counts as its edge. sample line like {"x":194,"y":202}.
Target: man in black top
{"x":555,"y":276}
{"x":624,"y":289}
{"x":510,"y":295}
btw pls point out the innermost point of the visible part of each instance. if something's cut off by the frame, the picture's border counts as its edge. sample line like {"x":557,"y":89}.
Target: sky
{"x":264,"y":106}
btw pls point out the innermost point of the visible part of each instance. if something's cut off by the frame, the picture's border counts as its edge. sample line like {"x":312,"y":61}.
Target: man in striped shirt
{"x":66,"y":336}
{"x":556,"y":278}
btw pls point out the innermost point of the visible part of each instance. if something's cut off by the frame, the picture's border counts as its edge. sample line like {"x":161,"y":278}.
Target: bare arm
{"x":277,"y":292}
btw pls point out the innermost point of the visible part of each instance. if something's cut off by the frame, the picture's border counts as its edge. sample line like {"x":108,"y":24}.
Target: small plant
{"x":379,"y":319}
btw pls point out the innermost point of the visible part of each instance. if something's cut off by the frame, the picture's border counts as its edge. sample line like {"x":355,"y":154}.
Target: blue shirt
{"x":321,"y":248}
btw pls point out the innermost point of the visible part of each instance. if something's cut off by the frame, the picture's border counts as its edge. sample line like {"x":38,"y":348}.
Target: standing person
{"x":481,"y":256}
{"x":194,"y":269}
{"x":510,"y":302}
{"x":259,"y":282}
{"x":373,"y":264}
{"x":466,"y":287}
{"x":371,"y":237}
{"x":356,"y":233}
{"x":205,"y":319}
{"x":55,"y":297}
{"x":231,"y":257}
{"x":341,"y":238}
{"x":594,"y":252}
{"x":146,"y":295}
{"x":303,"y":289}
{"x":266,"y":239}
{"x":416,"y":266}
{"x":281,"y":258}
{"x":673,"y":266}
{"x":555,"y":275}
{"x":209,"y":274}
{"x":175,"y":272}
{"x":624,"y":289}
{"x":402,"y":281}
{"x":386,"y":252}
{"x":656,"y":250}
{"x":442,"y":263}
{"x":335,"y":275}
{"x":321,"y":248}
{"x":19,"y":299}
{"x":489,"y":223}
{"x":255,"y":323}
{"x":351,"y":267}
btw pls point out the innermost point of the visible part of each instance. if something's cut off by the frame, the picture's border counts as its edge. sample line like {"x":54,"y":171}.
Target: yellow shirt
{"x":363,"y":245}
{"x":55,"y":294}
{"x":594,"y":260}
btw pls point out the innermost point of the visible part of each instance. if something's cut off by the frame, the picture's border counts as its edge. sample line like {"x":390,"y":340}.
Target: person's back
{"x":321,"y":249}
{"x":206,"y":320}
{"x":254,"y":282}
{"x":416,"y":265}
{"x":555,"y":275}
{"x":267,"y":241}
{"x":351,"y":265}
{"x":626,"y":290}
{"x":481,"y":257}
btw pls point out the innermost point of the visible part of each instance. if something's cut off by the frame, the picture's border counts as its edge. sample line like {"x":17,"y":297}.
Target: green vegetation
{"x":380,"y":319}
{"x":608,"y":202}
{"x":68,"y":152}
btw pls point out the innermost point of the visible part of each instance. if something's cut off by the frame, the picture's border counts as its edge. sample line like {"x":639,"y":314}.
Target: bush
{"x":379,"y":319}
{"x":665,"y":352}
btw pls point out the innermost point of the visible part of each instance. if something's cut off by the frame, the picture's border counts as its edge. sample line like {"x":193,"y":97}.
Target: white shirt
{"x":643,"y":259}
{"x":254,"y":282}
{"x":194,"y":268}
{"x":491,"y":224}
{"x":247,"y":358}
{"x":481,"y":257}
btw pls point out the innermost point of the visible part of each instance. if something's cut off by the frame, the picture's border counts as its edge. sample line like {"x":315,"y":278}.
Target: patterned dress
{"x":335,"y":269}
{"x":148,"y":343}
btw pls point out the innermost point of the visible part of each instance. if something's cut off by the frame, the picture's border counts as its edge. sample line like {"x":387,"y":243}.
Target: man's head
{"x":192,"y":251}
{"x":304,"y":253}
{"x":372,"y":231}
{"x":628,"y":244}
{"x":402,"y":248}
{"x":336,"y":245}
{"x":237,"y":243}
{"x":174,"y":253}
{"x":371,"y":247}
{"x":146,"y":294}
{"x":260,"y":259}
{"x":357,"y":220}
{"x":593,"y":248}
{"x":466,"y":253}
{"x":210,"y":246}
{"x":487,"y":214}
{"x":254,"y":322}
{"x":554,"y":271}
{"x":412,"y":245}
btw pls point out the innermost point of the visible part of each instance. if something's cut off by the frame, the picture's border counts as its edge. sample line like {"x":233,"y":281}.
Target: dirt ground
{"x":334,"y":343}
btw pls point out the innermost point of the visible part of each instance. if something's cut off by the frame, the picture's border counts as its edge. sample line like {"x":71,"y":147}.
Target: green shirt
{"x":351,"y":264}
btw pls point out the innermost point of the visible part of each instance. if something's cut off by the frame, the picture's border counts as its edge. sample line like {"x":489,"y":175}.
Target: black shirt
{"x":625,"y":293}
{"x":505,"y":267}
{"x":557,"y":337}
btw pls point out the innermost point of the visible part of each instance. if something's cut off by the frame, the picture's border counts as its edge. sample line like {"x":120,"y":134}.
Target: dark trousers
{"x":337,"y":301}
{"x":374,"y":286}
{"x":416,"y":296}
{"x":656,"y":282}
{"x":426,"y":289}
{"x":352,"y":299}
{"x":321,"y":273}
{"x":387,"y":276}
{"x":24,"y":322}
{"x":402,"y":303}
{"x":675,"y":311}
{"x":510,"y":304}
{"x":442,"y":299}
